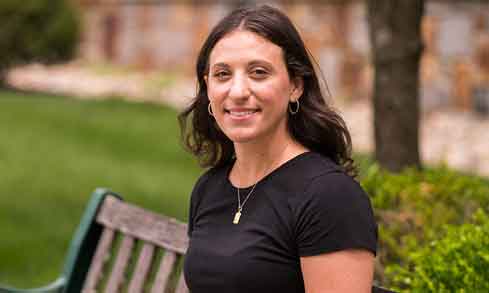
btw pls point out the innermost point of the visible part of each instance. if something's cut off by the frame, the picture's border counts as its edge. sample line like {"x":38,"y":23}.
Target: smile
{"x":241,"y":114}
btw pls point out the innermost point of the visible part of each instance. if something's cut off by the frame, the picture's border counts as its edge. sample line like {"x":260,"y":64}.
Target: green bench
{"x":119,"y":247}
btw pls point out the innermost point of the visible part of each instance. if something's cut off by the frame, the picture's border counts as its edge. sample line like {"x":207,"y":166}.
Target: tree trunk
{"x":395,"y":35}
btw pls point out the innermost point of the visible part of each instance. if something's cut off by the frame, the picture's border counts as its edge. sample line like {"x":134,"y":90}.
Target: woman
{"x":278,"y":211}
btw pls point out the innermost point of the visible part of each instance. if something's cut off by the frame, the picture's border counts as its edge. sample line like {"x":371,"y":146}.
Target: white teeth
{"x":241,"y":113}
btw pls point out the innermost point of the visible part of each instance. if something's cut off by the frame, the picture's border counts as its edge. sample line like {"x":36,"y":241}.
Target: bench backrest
{"x":142,"y":234}
{"x":135,"y":250}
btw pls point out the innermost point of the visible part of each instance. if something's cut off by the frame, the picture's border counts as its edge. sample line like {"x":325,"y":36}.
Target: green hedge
{"x":41,"y":30}
{"x":413,"y":208}
{"x":458,"y":262}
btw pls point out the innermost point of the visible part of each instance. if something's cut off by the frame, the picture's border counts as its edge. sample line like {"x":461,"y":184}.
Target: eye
{"x":221,"y":75}
{"x":259,"y":73}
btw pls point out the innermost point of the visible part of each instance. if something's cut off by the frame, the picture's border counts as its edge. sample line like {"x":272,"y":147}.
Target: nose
{"x":239,"y":87}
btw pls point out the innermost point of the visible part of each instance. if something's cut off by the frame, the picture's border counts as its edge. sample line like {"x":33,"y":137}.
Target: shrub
{"x":41,"y":30}
{"x":414,"y":206}
{"x":458,"y":262}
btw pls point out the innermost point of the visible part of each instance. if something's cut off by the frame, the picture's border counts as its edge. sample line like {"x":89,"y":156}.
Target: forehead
{"x":243,"y":46}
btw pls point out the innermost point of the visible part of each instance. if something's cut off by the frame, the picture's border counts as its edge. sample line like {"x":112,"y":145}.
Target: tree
{"x":395,"y":36}
{"x":43,"y":30}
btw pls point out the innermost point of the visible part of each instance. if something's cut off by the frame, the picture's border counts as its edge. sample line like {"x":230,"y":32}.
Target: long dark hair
{"x":316,"y":126}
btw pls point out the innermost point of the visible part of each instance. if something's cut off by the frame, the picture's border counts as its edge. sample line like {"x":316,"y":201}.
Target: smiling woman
{"x":279,"y":210}
{"x":249,"y":88}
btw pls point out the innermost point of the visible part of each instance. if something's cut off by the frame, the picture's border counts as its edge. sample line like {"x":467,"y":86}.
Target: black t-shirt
{"x":307,"y":206}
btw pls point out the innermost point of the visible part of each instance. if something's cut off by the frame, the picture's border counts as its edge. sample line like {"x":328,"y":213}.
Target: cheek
{"x":215,"y":92}
{"x":273,"y":94}
{"x":279,"y":87}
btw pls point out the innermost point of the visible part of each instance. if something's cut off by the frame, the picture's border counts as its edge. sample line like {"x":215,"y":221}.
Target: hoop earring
{"x":292,"y":111}
{"x":209,"y":109}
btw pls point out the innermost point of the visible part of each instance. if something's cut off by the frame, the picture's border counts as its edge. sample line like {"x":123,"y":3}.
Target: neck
{"x":256,"y":160}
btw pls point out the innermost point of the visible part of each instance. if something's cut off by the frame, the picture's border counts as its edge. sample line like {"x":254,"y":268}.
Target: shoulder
{"x":311,"y":165}
{"x":332,"y":213}
{"x":310,"y":172}
{"x":297,"y":173}
{"x":209,"y":177}
{"x":335,"y":191}
{"x":319,"y":183}
{"x":335,"y":185}
{"x":205,"y":182}
{"x":320,"y":173}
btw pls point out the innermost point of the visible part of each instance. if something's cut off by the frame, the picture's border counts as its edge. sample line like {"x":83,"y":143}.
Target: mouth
{"x":241,"y":113}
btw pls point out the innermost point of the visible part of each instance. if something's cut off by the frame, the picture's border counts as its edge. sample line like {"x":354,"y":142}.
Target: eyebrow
{"x":261,"y":62}
{"x":251,"y":63}
{"x":220,"y":65}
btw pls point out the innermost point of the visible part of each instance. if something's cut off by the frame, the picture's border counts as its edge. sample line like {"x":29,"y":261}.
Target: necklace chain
{"x":237,"y":216}
{"x":240,"y":206}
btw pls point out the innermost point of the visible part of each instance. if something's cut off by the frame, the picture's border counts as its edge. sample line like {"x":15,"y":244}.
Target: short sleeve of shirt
{"x":334,"y":214}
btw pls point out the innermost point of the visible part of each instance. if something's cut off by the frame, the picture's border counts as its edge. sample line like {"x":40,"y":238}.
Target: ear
{"x":205,"y":79}
{"x":298,"y":89}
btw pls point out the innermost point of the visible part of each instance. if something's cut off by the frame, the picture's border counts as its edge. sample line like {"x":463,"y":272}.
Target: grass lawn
{"x":54,"y":151}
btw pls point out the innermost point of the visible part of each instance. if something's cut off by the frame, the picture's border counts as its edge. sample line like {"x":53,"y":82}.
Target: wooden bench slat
{"x":182,"y":286}
{"x":142,"y":268}
{"x":99,"y":259}
{"x":142,"y":224}
{"x":117,"y":276}
{"x":164,"y":272}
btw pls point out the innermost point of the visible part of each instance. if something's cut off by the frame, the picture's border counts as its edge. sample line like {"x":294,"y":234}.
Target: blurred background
{"x":90,"y":91}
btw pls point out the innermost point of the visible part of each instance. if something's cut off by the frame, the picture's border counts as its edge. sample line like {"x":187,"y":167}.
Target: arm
{"x":344,"y":271}
{"x":336,"y":236}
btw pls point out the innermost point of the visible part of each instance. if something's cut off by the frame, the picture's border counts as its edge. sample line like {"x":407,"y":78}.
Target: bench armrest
{"x":55,"y":287}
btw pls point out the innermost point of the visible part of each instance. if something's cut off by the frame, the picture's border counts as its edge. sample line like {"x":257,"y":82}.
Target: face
{"x":249,"y":88}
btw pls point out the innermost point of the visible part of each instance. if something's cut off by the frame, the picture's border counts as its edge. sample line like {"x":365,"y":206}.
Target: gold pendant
{"x":236,"y":217}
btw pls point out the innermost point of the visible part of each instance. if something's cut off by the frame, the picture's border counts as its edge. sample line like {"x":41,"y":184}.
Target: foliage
{"x":414,"y":206}
{"x":42,"y":30}
{"x":458,"y":262}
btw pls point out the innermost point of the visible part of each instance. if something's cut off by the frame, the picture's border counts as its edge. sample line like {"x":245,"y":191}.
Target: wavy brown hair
{"x":316,"y":126}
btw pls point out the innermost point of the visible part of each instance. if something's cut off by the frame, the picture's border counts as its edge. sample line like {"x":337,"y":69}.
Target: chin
{"x":240,"y":137}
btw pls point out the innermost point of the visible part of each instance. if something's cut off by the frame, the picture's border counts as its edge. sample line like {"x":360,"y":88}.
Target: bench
{"x":119,"y":247}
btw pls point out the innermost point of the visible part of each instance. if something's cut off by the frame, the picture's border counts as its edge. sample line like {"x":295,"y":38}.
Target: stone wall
{"x":166,"y":35}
